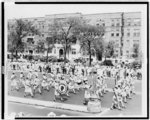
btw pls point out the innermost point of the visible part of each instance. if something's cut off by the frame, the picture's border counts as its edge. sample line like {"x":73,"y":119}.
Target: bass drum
{"x":62,"y":88}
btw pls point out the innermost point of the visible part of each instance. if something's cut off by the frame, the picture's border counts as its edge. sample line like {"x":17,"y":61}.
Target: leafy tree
{"x":20,"y":30}
{"x":109,"y":49}
{"x":65,"y":32}
{"x":99,"y":47}
{"x":50,"y":41}
{"x":89,"y":35}
{"x":40,"y":46}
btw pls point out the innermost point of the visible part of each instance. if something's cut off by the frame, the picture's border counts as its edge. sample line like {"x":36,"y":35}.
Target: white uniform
{"x":28,"y":88}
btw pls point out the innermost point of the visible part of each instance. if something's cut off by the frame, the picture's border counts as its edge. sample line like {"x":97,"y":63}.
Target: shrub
{"x":107,"y":63}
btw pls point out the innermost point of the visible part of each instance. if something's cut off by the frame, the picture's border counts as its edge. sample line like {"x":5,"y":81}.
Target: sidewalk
{"x":63,"y":106}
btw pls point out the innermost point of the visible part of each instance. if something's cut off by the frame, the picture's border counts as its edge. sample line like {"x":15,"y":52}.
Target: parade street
{"x":133,"y":106}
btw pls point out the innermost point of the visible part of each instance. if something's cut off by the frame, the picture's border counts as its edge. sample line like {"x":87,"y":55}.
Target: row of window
{"x":30,"y":34}
{"x":113,"y":34}
{"x":135,"y":34}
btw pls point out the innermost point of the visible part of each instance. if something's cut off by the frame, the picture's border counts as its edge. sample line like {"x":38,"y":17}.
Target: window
{"x":128,"y":34}
{"x":55,"y":51}
{"x":50,"y":50}
{"x":117,"y":45}
{"x":42,"y":35}
{"x":127,"y":51}
{"x":129,"y":24}
{"x":103,"y":24}
{"x":135,"y":45}
{"x":135,"y":40}
{"x":112,"y":24}
{"x":117,"y":34}
{"x":128,"y":41}
{"x":112,"y":34}
{"x":73,"y":51}
{"x":118,"y":24}
{"x":117,"y":29}
{"x":138,"y":34}
{"x":134,"y":34}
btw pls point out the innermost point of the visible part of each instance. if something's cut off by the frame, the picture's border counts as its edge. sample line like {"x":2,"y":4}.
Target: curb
{"x":55,"y":105}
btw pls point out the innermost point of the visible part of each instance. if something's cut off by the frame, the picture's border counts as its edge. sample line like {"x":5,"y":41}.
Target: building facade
{"x":122,"y":28}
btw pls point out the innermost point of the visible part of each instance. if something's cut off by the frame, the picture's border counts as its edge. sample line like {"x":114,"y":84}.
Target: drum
{"x":62,"y":88}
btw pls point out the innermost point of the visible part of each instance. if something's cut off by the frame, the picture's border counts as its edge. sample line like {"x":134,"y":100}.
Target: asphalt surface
{"x":133,"y":107}
{"x":31,"y":110}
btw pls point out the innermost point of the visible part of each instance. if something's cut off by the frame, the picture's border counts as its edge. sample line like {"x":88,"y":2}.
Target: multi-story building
{"x":124,"y":28}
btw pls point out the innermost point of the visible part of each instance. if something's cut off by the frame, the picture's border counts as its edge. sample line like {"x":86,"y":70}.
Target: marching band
{"x":73,"y":77}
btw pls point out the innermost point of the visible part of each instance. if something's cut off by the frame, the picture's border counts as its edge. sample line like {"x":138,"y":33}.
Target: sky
{"x":29,"y":10}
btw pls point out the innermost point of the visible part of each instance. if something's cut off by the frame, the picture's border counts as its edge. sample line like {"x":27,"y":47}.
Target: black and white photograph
{"x":75,"y":60}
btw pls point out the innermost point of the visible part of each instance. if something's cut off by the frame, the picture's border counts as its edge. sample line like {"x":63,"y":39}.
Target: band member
{"x":22,"y":80}
{"x":14,"y":82}
{"x":37,"y":85}
{"x":71,"y":87}
{"x":86,"y":96}
{"x":29,"y":76}
{"x":56,"y":92}
{"x":115,"y":103}
{"x":124,"y":95}
{"x":99,"y":91}
{"x":120,"y":101}
{"x":28,"y":88}
{"x":45,"y":84}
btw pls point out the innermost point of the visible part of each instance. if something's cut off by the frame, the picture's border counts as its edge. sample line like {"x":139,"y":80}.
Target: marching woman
{"x":14,"y":82}
{"x":120,"y":100}
{"x":104,"y":85}
{"x":86,"y":95}
{"x":115,"y":103}
{"x":56,"y":92}
{"x":37,"y":85}
{"x":22,"y":80}
{"x":28,"y":88}
{"x":45,"y":84}
{"x":29,"y":76}
{"x":71,"y":86}
{"x":99,"y":91}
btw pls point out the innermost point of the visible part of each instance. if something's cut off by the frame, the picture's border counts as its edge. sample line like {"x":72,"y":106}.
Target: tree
{"x":99,"y":47}
{"x":19,"y":31}
{"x":109,"y":49}
{"x":65,"y":32}
{"x":50,"y":44}
{"x":40,"y":46}
{"x":89,"y":35}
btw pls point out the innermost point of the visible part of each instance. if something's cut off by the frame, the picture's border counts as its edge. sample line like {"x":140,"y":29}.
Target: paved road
{"x":133,"y":106}
{"x":31,"y":110}
{"x":48,"y":96}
